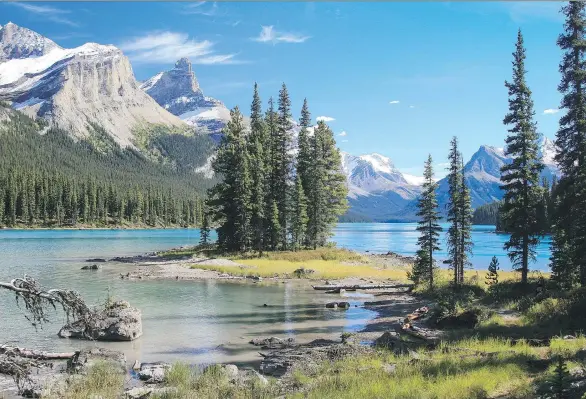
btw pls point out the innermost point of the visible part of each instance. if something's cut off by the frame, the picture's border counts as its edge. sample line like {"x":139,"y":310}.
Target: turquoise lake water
{"x":199,"y":322}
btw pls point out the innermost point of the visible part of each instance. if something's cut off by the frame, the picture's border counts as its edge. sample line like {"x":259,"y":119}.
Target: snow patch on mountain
{"x":414,"y":180}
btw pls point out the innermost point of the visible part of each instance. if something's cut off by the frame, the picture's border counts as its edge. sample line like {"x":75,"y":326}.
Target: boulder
{"x":343,"y":305}
{"x":149,"y":392}
{"x":229,"y":370}
{"x":153,"y":373}
{"x":392,"y":341}
{"x":273,"y":342}
{"x":332,"y":305}
{"x":117,"y":322}
{"x":250,"y":376}
{"x":85,"y":358}
{"x":92,"y":267}
{"x":303,"y":272}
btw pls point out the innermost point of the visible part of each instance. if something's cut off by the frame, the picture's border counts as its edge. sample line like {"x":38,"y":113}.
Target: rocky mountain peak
{"x":184,"y":64}
{"x":17,"y":42}
{"x":178,"y":91}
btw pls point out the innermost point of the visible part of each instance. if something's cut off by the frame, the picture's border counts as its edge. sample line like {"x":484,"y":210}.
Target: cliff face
{"x":74,"y":88}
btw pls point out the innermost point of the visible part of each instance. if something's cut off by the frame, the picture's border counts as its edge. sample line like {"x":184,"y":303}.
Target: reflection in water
{"x":199,"y":322}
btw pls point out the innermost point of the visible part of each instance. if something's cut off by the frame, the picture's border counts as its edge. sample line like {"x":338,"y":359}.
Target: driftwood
{"x":360,"y":287}
{"x":34,"y":354}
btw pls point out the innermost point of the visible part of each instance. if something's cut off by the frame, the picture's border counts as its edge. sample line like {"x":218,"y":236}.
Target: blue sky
{"x":399,"y":79}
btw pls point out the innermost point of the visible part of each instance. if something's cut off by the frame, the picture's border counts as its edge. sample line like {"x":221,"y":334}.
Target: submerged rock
{"x":118,"y":322}
{"x":273,"y":342}
{"x":92,"y":267}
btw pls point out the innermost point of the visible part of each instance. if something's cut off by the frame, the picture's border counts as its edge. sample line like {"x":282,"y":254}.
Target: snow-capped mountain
{"x":377,"y":190}
{"x":178,"y":91}
{"x":74,"y":88}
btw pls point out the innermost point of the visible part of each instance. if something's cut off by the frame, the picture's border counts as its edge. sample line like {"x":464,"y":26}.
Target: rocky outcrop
{"x":75,"y":88}
{"x":118,"y":322}
{"x":178,"y":91}
{"x":273,"y":343}
{"x":84,"y":359}
{"x":153,"y":373}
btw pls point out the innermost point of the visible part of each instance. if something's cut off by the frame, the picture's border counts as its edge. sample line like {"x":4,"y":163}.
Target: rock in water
{"x":92,"y":267}
{"x":118,"y":322}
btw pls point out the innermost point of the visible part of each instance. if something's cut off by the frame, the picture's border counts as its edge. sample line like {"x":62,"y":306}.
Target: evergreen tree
{"x":258,"y":141}
{"x":231,"y":197}
{"x":327,"y":191}
{"x":283,"y":164}
{"x":466,"y":213}
{"x":521,"y":177}
{"x":429,"y":229}
{"x":272,"y":164}
{"x":560,"y":380}
{"x":204,"y":231}
{"x":274,"y":226}
{"x":455,"y":180}
{"x":569,"y":236}
{"x":492,"y":276}
{"x":304,"y":157}
{"x":298,"y":215}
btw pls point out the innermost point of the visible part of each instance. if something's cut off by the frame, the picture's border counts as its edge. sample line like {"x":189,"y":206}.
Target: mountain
{"x":76,"y":89}
{"x":178,"y":91}
{"x":377,"y":190}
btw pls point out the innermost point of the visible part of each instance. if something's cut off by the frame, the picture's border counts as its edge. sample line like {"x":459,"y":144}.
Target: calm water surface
{"x":199,"y":322}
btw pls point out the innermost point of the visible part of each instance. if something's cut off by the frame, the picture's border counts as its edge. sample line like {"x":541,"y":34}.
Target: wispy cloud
{"x":550,"y":111}
{"x":521,"y":11}
{"x":268,"y":34}
{"x":394,"y":102}
{"x":165,"y":47}
{"x":343,"y":134}
{"x":344,"y":141}
{"x":412,"y":106}
{"x":202,"y":8}
{"x":51,"y":13}
{"x":325,"y":119}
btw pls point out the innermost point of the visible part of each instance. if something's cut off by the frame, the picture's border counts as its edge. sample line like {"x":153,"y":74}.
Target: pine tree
{"x":429,"y":229}
{"x":298,"y":215}
{"x":271,"y":162}
{"x":258,"y":141}
{"x":304,"y":158}
{"x":327,"y":192}
{"x":231,"y":197}
{"x":521,"y":177}
{"x":274,"y":226}
{"x":492,"y":276}
{"x":283,"y":163}
{"x":560,"y":379}
{"x":569,"y":235}
{"x":466,"y":213}
{"x":204,"y":230}
{"x":455,"y":180}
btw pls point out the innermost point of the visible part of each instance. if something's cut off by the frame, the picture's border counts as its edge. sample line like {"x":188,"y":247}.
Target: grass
{"x":103,"y":380}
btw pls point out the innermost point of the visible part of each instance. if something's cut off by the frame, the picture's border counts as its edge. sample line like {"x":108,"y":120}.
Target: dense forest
{"x":52,"y":180}
{"x":269,"y":198}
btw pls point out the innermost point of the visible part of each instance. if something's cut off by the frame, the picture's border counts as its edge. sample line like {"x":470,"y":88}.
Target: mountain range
{"x":92,"y":87}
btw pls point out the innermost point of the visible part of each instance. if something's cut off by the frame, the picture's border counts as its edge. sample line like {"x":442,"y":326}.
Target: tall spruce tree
{"x":284,"y":162}
{"x":327,"y":192}
{"x":429,"y":229}
{"x":455,"y":180}
{"x":522,"y":191}
{"x":569,"y":227}
{"x":299,"y":219}
{"x":231,"y":198}
{"x":257,"y":142}
{"x":272,"y":237}
{"x":459,"y":237}
{"x":466,"y":214}
{"x":304,"y":156}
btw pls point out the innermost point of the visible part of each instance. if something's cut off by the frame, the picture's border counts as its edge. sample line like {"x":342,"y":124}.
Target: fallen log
{"x":34,"y":354}
{"x":360,"y":287}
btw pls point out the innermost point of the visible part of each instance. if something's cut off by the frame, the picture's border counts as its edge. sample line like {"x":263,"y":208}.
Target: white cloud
{"x":344,"y":141}
{"x":394,"y":102}
{"x":325,"y":119}
{"x":343,"y":134}
{"x":201,"y":8}
{"x":551,"y":111}
{"x":51,"y":13}
{"x":166,"y":47}
{"x":412,"y":106}
{"x":268,"y":34}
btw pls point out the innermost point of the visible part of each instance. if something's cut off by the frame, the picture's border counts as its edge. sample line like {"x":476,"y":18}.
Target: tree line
{"x":273,"y":196}
{"x":530,"y":207}
{"x":54,"y":181}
